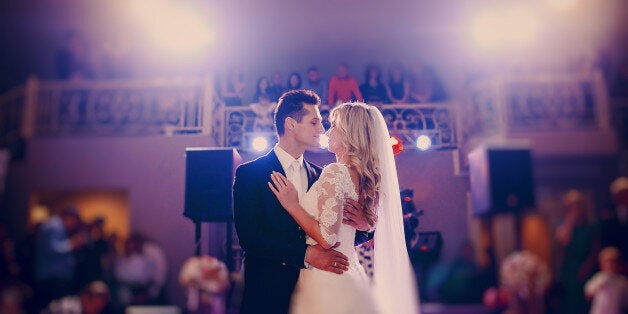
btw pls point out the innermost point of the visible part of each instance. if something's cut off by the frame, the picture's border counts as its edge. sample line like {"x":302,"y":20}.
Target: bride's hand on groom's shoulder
{"x":284,"y":190}
{"x":327,"y":259}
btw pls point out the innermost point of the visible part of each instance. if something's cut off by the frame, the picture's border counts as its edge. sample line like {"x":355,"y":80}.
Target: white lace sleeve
{"x":331,"y":198}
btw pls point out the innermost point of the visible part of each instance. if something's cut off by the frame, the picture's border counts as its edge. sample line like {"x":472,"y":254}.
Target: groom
{"x":274,"y":244}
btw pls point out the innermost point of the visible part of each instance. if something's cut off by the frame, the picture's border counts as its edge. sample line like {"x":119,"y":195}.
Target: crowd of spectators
{"x":418,"y":84}
{"x":402,"y":86}
{"x":67,"y":265}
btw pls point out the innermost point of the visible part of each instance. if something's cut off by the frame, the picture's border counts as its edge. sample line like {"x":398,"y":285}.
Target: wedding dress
{"x":319,"y":291}
{"x":393,"y":289}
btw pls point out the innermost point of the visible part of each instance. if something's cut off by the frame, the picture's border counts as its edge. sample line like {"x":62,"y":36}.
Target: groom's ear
{"x":290,"y":123}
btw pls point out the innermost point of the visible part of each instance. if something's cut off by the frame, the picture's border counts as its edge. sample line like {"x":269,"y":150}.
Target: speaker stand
{"x":197,"y":237}
{"x":228,"y":239}
{"x":229,"y":244}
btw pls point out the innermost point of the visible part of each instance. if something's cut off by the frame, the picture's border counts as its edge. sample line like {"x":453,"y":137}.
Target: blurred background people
{"x":614,"y":221}
{"x":373,"y":89}
{"x":92,"y":299}
{"x":579,"y":243}
{"x":316,"y":83}
{"x":276,"y":87}
{"x":464,"y":280}
{"x":398,"y":85}
{"x":608,"y":289}
{"x":294,"y":81}
{"x":13,"y":299}
{"x":262,"y":89}
{"x":92,"y":259}
{"x":55,"y":264}
{"x":140,"y":272}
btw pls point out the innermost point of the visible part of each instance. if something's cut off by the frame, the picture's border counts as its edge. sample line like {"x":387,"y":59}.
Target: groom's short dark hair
{"x":290,"y":104}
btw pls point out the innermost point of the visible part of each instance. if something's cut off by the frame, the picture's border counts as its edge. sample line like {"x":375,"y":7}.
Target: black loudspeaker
{"x":208,"y":183}
{"x":501,"y":180}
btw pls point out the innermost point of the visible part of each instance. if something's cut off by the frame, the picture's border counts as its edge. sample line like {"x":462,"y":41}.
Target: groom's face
{"x":309,"y":130}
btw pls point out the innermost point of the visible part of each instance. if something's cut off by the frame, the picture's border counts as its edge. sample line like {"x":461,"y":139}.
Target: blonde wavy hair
{"x":357,"y":125}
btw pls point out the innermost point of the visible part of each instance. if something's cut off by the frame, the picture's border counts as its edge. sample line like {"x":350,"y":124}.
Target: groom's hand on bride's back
{"x":328,"y":260}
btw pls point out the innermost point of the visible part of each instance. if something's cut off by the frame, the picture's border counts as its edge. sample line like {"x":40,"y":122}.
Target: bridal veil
{"x":393,"y":277}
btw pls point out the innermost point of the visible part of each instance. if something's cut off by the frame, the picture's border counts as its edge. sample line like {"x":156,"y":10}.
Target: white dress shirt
{"x":297,"y":176}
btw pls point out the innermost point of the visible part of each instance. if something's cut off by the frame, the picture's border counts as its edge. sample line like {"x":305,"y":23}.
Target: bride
{"x":365,"y":172}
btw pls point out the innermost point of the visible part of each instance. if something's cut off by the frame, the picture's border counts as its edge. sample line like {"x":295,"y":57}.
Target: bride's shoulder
{"x":335,"y":168}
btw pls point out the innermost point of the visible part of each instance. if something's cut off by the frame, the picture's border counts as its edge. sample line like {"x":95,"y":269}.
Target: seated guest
{"x":276,"y":89}
{"x":294,"y":81}
{"x":373,"y":90}
{"x":315,"y":83}
{"x":262,"y":89}
{"x":343,"y":87}
{"x":398,"y":85}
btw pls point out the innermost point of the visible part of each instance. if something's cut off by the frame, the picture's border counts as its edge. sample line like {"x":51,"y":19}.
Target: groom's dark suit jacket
{"x":274,"y":244}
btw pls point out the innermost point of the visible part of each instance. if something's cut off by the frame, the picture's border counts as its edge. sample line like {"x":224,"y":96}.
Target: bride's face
{"x":336,"y":144}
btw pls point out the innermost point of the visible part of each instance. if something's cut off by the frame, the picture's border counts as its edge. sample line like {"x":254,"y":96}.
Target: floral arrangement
{"x":204,"y":278}
{"x":525,"y":274}
{"x":524,"y":279}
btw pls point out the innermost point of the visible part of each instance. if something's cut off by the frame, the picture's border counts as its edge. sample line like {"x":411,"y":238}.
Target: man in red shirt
{"x":343,"y":87}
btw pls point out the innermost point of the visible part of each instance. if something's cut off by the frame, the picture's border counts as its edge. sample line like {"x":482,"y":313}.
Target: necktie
{"x":295,"y":177}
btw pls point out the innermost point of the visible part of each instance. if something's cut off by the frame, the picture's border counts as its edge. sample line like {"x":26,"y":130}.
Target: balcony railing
{"x":406,"y":121}
{"x":173,"y":107}
{"x":556,"y":113}
{"x":556,"y":109}
{"x":537,"y":103}
{"x":108,"y":108}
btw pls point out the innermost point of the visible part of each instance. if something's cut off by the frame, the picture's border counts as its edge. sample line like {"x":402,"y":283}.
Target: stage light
{"x":397,"y":144}
{"x":563,"y":4}
{"x":423,"y":142}
{"x":504,"y":28}
{"x":324,"y":141}
{"x":175,"y":27}
{"x":259,"y":143}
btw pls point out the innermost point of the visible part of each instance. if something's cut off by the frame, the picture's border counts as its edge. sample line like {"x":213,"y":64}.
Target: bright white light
{"x":563,"y":4}
{"x":423,"y":142}
{"x":259,"y":143}
{"x":394,"y":141}
{"x":172,"y":26}
{"x":505,"y":28}
{"x":324,"y":141}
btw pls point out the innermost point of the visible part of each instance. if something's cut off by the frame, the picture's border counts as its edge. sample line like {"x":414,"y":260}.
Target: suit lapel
{"x":312,"y":176}
{"x":273,"y":162}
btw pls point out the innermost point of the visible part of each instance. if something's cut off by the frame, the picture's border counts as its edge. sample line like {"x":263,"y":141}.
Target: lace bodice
{"x":320,"y":291}
{"x":325,"y":200}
